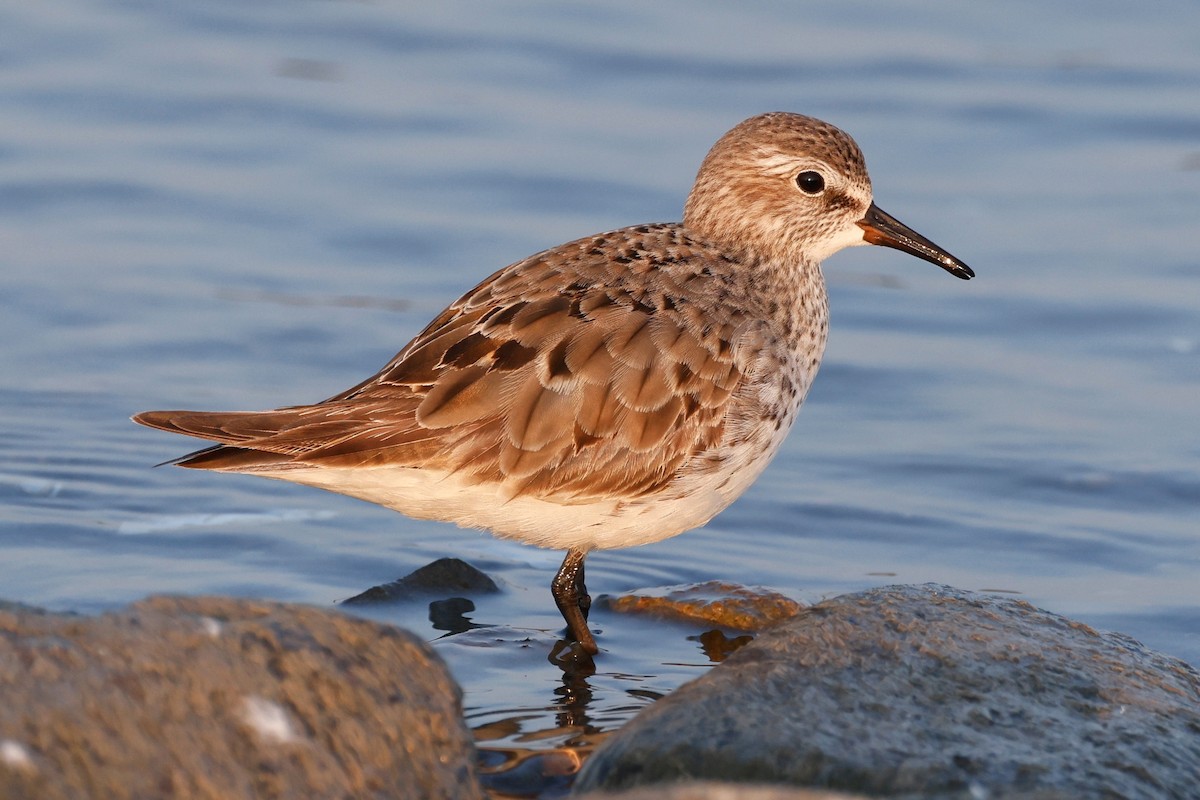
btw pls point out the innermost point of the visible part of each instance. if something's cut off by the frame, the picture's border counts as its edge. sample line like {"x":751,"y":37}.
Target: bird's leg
{"x":570,"y":595}
{"x":585,"y":599}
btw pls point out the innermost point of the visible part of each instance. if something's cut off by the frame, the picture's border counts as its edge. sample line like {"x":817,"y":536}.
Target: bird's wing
{"x":560,"y":375}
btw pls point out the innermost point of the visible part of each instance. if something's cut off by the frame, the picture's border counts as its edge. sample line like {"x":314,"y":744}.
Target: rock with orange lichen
{"x":924,"y":692}
{"x":224,"y":698}
{"x":724,"y":605}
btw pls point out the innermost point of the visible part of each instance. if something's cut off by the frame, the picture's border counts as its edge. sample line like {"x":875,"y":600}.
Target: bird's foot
{"x":573,"y":601}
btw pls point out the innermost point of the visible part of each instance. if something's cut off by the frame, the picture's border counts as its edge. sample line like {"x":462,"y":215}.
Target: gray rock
{"x":925,"y":692}
{"x":225,"y":698}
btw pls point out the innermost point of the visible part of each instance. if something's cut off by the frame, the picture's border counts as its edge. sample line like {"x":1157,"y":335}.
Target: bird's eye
{"x":810,"y":182}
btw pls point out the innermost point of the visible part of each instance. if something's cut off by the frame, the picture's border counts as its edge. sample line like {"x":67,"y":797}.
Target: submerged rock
{"x":705,"y":790}
{"x":446,"y":577}
{"x":726,"y":605}
{"x":218,"y":697}
{"x":929,"y":692}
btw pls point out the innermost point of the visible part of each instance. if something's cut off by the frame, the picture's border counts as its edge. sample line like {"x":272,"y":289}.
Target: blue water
{"x":244,"y":205}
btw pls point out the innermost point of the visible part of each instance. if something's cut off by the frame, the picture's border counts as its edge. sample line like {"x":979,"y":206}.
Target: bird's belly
{"x":701,"y":488}
{"x":691,"y":500}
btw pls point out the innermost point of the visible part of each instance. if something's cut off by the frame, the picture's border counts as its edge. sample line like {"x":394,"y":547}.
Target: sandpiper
{"x":608,"y":392}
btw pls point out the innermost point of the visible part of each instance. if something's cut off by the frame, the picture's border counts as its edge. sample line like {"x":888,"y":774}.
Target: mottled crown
{"x":745,"y":193}
{"x":795,"y":133}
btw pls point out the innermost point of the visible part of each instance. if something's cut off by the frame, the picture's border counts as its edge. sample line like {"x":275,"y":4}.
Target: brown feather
{"x":556,"y":376}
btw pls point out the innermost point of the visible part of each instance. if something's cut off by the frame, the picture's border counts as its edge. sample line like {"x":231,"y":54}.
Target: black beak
{"x":880,"y":227}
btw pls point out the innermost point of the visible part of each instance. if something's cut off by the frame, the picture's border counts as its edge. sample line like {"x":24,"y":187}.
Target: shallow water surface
{"x":232,"y":205}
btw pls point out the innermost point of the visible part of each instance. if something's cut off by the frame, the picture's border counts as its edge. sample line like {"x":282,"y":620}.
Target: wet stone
{"x":925,"y":692}
{"x":446,"y":577}
{"x":726,"y":605}
{"x":533,"y":774}
{"x":217,"y":697}
{"x":706,"y":790}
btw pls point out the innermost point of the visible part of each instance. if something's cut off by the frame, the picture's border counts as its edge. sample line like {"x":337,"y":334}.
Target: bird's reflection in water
{"x":536,"y":752}
{"x":544,"y":761}
{"x":575,"y":694}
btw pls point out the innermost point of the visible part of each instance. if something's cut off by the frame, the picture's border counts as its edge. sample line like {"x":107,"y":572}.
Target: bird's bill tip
{"x":880,"y":227}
